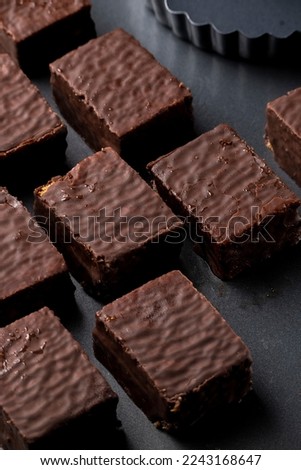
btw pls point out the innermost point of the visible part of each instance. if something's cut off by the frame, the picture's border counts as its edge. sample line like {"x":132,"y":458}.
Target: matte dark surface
{"x":250,"y":29}
{"x":251,"y":17}
{"x":263,"y":307}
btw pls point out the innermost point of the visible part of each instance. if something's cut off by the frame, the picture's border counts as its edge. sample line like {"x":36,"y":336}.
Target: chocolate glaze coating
{"x":239,"y":211}
{"x":172,"y":351}
{"x":283,"y":132}
{"x":109,"y":224}
{"x":48,"y":386}
{"x":32,"y":271}
{"x":32,"y":136}
{"x":35,"y":32}
{"x":115,"y":93}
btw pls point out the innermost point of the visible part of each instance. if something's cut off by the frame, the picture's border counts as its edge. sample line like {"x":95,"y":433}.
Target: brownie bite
{"x":171,"y":350}
{"x":115,"y":93}
{"x":36,"y":32}
{"x":112,"y":228}
{"x":32,"y":272}
{"x":237,"y":210}
{"x":51,"y":396}
{"x":283,"y":132}
{"x":32,"y":136}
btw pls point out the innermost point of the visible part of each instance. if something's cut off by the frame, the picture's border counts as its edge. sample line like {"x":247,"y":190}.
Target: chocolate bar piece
{"x":32,"y":272}
{"x":37,"y":32}
{"x":172,"y":351}
{"x":283,"y":132}
{"x":51,"y":396}
{"x":110,"y":225}
{"x":114,"y":93}
{"x":238,"y":211}
{"x":32,"y":136}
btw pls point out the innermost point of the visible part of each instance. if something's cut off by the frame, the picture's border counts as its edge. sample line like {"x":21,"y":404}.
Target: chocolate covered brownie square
{"x":112,"y":228}
{"x":237,"y":209}
{"x":171,"y":350}
{"x":51,"y":396}
{"x":32,"y":136}
{"x":115,"y":93}
{"x":36,"y":32}
{"x":283,"y":132}
{"x":32,"y":272}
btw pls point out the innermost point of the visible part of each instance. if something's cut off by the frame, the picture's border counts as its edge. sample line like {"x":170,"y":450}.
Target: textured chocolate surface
{"x":25,"y":115}
{"x":122,"y":92}
{"x":283,"y":132}
{"x":26,"y":17}
{"x":107,"y":220}
{"x":32,"y":272}
{"x":231,"y":196}
{"x":31,"y":134}
{"x":47,"y":382}
{"x":262,"y":306}
{"x":175,"y":348}
{"x":31,"y":30}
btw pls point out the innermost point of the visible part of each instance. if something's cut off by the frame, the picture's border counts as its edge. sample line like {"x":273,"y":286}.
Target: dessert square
{"x":32,"y":136}
{"x":36,"y":32}
{"x":112,"y":228}
{"x":237,"y":210}
{"x":51,"y":396}
{"x":283,"y":132}
{"x":171,"y":350}
{"x":32,"y":272}
{"x":115,"y":93}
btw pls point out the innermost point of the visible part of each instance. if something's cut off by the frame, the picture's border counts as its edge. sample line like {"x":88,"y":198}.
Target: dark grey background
{"x":263,"y":306}
{"x":251,"y":17}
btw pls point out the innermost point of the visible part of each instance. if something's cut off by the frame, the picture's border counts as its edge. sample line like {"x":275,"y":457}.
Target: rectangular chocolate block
{"x":237,"y":210}
{"x":283,"y":132}
{"x":114,"y":93}
{"x":172,"y":351}
{"x":112,"y":228}
{"x":32,"y":136}
{"x":32,"y":272}
{"x":51,"y":396}
{"x":37,"y":32}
